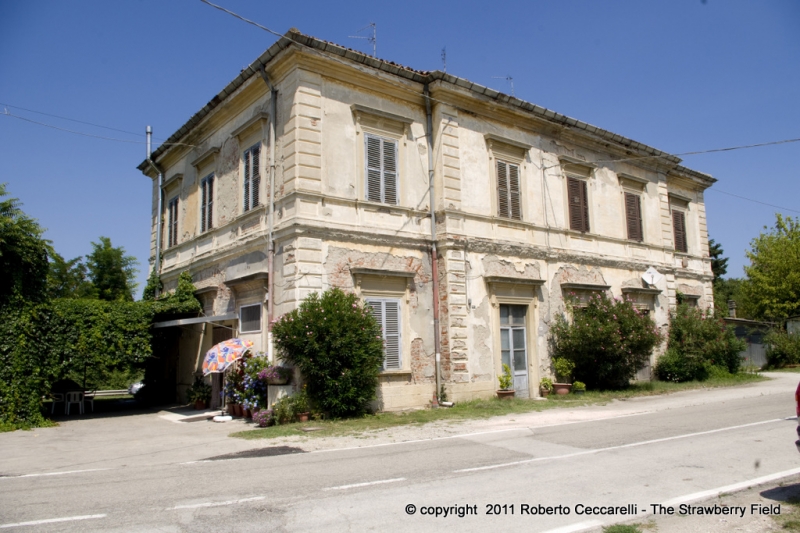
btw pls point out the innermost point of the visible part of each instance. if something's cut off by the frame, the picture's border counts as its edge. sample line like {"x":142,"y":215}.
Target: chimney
{"x":731,"y":309}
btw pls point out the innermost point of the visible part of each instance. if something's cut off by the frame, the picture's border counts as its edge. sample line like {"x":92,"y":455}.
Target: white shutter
{"x":373,"y":170}
{"x":387,"y":314}
{"x":389,"y":171}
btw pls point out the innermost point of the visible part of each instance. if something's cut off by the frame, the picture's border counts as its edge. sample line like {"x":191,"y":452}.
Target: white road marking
{"x":620,"y":447}
{"x":57,"y":473}
{"x":731,"y":488}
{"x":216,"y":504}
{"x":356,"y":485}
{"x":53,"y":520}
{"x":578,"y":526}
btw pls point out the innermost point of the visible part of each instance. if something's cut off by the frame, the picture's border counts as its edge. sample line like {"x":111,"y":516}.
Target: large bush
{"x":338,"y":346}
{"x":609,"y":340}
{"x":782,"y":348}
{"x":697,"y":342}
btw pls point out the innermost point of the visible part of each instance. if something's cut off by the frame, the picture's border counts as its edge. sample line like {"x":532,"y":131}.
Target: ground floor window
{"x":387,"y":312}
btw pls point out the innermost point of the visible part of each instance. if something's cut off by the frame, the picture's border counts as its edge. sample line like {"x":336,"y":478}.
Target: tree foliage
{"x":772,"y":288}
{"x":68,"y":279}
{"x":111,"y":271}
{"x":338,"y":346}
{"x":23,"y":255}
{"x":719,"y":264}
{"x":609,"y":340}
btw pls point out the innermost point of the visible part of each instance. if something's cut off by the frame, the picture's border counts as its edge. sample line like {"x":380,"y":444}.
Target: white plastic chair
{"x":88,"y":397}
{"x":74,"y":397}
{"x":57,"y":397}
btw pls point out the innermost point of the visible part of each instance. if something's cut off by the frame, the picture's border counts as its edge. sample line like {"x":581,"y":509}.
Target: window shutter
{"x":247,"y":163}
{"x":679,"y":229}
{"x":255,"y":176}
{"x":578,"y":205}
{"x":210,"y":207}
{"x":502,"y":189}
{"x":203,"y":203}
{"x":172,"y":222}
{"x":513,"y":190}
{"x":633,"y":216}
{"x":389,"y":171}
{"x":391,"y":333}
{"x":373,"y":185}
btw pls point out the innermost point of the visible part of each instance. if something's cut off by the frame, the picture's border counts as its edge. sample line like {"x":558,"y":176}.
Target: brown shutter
{"x":633,"y":216}
{"x":203,"y":204}
{"x":578,"y":205}
{"x":248,"y":161}
{"x":255,"y":173}
{"x":502,"y":190}
{"x":679,"y":229}
{"x":585,"y":202}
{"x":513,"y":190}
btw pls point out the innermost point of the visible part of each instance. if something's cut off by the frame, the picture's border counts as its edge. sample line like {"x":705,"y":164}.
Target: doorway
{"x":513,"y":345}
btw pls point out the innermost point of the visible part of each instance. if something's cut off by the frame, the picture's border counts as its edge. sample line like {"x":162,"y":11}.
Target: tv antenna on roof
{"x":444,"y":58}
{"x":509,"y":79}
{"x":373,"y":39}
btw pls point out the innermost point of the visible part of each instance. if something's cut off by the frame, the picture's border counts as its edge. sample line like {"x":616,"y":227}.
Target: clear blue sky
{"x":679,"y":75}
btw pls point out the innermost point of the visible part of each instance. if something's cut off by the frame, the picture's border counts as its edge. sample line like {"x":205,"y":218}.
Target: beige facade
{"x":530,"y":207}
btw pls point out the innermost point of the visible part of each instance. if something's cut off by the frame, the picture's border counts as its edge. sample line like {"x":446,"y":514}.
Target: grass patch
{"x":622,"y":528}
{"x":794,"y":369}
{"x":485,"y":408}
{"x":8,"y":426}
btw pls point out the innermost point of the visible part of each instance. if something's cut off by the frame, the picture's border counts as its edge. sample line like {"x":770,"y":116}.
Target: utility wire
{"x":70,"y":119}
{"x":751,"y":200}
{"x":256,"y":24}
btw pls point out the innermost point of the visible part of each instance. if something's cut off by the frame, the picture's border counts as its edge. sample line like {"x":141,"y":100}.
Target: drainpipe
{"x":157,"y":266}
{"x":434,"y":254}
{"x":271,"y":212}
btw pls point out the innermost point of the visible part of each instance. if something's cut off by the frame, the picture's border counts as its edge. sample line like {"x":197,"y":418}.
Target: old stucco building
{"x":529,"y":206}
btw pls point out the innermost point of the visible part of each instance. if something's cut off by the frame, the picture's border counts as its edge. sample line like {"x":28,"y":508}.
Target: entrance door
{"x":513,"y":345}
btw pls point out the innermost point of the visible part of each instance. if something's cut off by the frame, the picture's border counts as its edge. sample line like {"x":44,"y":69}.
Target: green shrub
{"x":609,"y":340}
{"x":698,"y":341}
{"x":782,"y":348}
{"x":505,"y":380}
{"x":337,"y":345}
{"x":564,"y":368}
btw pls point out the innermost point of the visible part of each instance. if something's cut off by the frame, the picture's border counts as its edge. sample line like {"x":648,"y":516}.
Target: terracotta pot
{"x":562,"y":388}
{"x":231,"y":409}
{"x":199,"y":405}
{"x":237,"y":409}
{"x":544,"y":392}
{"x":302,"y":417}
{"x":505,"y":394}
{"x":247,"y":413}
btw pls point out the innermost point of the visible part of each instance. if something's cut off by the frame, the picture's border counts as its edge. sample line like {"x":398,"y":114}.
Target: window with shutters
{"x":508,"y":195}
{"x":172,"y":222}
{"x":252,"y":177}
{"x":387,"y":313}
{"x":206,"y":203}
{"x":380,"y":169}
{"x":679,"y":231}
{"x":633,"y":217}
{"x":250,"y":318}
{"x":577,"y":197}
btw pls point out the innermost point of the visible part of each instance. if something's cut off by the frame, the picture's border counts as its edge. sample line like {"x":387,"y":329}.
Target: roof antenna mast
{"x":510,"y":80}
{"x":372,"y":39}
{"x":444,"y":58}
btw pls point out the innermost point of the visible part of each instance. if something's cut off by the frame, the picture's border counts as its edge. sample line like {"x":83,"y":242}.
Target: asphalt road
{"x":485,"y":481}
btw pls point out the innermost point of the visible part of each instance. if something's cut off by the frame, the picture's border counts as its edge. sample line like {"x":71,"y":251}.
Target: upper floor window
{"x":508,"y":195}
{"x":633,"y":217}
{"x":250,"y":318}
{"x":172,"y":222}
{"x":381,"y":169}
{"x":252,"y":177}
{"x":578,"y":198}
{"x":679,"y":230}
{"x":387,"y":313}
{"x":206,"y":203}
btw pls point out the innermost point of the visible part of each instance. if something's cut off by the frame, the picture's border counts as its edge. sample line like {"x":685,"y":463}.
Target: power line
{"x":751,"y":200}
{"x":727,"y":149}
{"x":256,"y":24}
{"x":70,"y":119}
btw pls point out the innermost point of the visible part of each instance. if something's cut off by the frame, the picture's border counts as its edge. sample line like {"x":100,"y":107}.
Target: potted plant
{"x":276,"y":375}
{"x":264,"y":417}
{"x":545,"y":386}
{"x":563,"y":368}
{"x":578,"y":387}
{"x":301,"y":405}
{"x":199,"y":393}
{"x":506,"y":381}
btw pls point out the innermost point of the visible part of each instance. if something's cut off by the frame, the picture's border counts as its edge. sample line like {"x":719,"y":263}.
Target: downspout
{"x":157,"y":266}
{"x":434,"y":253}
{"x":271,"y":212}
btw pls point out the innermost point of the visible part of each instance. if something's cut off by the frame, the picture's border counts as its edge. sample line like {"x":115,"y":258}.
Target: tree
{"x":23,"y":255}
{"x":724,"y":289}
{"x":719,"y":264}
{"x":111,"y":271}
{"x":772,"y":288}
{"x":68,"y":279}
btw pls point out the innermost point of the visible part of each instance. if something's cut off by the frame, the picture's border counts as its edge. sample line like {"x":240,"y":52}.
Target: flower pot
{"x":277,"y":381}
{"x":237,"y":409}
{"x":579,"y":391}
{"x":562,"y":388}
{"x":302,"y":417}
{"x":544,"y":392}
{"x":505,"y":394}
{"x":199,"y":405}
{"x":247,"y":413}
{"x":231,"y":409}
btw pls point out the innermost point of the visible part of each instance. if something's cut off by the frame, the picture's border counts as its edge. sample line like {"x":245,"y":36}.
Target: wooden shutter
{"x":172,"y":222}
{"x":502,"y":190}
{"x":255,"y":176}
{"x":679,"y":229}
{"x":513,"y":192}
{"x":633,"y":216}
{"x":577,"y":197}
{"x":203,"y":202}
{"x":247,"y":163}
{"x":210,"y":206}
{"x":389,"y":171}
{"x":373,"y":170}
{"x":387,"y":314}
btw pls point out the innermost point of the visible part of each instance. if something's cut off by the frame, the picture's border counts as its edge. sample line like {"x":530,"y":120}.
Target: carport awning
{"x":198,"y":320}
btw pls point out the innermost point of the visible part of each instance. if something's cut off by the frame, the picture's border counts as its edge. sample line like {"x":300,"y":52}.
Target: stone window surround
{"x":513,"y":153}
{"x":682,"y":204}
{"x":638,"y":186}
{"x":572,"y":167}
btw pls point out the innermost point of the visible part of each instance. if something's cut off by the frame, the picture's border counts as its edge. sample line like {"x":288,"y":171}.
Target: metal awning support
{"x":197,"y":320}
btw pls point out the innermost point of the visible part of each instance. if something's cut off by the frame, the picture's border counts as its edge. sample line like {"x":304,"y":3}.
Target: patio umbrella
{"x":221,"y":355}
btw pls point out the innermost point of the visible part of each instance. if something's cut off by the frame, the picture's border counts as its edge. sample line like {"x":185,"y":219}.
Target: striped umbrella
{"x":221,"y":355}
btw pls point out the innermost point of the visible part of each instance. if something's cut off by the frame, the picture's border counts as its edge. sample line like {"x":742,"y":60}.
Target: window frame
{"x":251,"y":178}
{"x":172,"y":221}
{"x":398,"y":334}
{"x":207,"y":203}
{"x":381,"y":169}
{"x":260,"y":318}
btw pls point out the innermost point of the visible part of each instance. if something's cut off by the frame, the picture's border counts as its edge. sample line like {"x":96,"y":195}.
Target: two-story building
{"x":462,"y":215}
